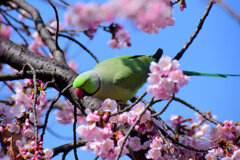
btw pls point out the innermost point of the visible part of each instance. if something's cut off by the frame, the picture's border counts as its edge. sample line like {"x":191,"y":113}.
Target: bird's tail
{"x":193,"y":73}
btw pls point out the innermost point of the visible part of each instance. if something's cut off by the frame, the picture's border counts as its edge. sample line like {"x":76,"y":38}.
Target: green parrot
{"x":119,"y":78}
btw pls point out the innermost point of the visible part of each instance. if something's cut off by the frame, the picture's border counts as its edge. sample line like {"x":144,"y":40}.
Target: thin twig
{"x":18,"y":21}
{"x":129,"y":107}
{"x":160,"y":119}
{"x":7,"y":102}
{"x":57,"y":19}
{"x":34,"y":103}
{"x":174,"y":2}
{"x":230,"y":11}
{"x":42,"y":30}
{"x":164,"y":139}
{"x":195,"y":33}
{"x":68,"y":147}
{"x":96,"y":157}
{"x":81,"y":45}
{"x":10,"y":87}
{"x":182,"y":145}
{"x":64,"y":2}
{"x":74,"y":133}
{"x":195,"y":109}
{"x":131,"y":128}
{"x":16,"y":29}
{"x":164,"y":108}
{"x":50,"y":108}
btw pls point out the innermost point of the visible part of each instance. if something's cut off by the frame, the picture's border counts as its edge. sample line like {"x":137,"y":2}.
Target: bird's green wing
{"x":133,"y":72}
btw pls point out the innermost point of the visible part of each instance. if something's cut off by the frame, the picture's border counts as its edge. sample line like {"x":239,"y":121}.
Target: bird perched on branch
{"x":117,"y":78}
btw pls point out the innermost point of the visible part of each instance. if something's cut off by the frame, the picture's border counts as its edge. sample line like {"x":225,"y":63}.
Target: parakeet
{"x":117,"y":78}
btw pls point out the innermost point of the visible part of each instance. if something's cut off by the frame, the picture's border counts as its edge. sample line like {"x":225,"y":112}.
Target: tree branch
{"x":17,"y":56}
{"x":195,"y":109}
{"x":131,"y":128}
{"x":42,"y":30}
{"x":195,"y":33}
{"x":67,"y":147}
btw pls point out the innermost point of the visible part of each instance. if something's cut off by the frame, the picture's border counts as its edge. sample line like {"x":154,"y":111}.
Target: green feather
{"x":121,"y":77}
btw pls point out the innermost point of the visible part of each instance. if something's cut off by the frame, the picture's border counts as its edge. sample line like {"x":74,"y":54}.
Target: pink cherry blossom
{"x":5,"y":31}
{"x":236,"y":154}
{"x":202,"y":130}
{"x":18,"y":110}
{"x":105,"y":116}
{"x":65,"y":114}
{"x":120,"y":39}
{"x":73,"y":65}
{"x":135,"y":143}
{"x":214,"y":154}
{"x":113,"y":43}
{"x":37,"y":39}
{"x":165,"y":78}
{"x":48,"y":153}
{"x":109,"y":105}
{"x":86,"y":16}
{"x":53,"y":26}
{"x":13,"y":128}
{"x":178,"y":77}
{"x":92,"y":117}
{"x":147,"y":15}
{"x":106,"y":147}
{"x":106,"y":132}
{"x":89,"y":132}
{"x":21,"y":97}
{"x":23,"y":14}
{"x":115,"y":119}
{"x":28,"y":133}
{"x":122,"y":35}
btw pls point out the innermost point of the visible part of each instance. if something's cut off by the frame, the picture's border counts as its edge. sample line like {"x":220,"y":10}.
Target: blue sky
{"x":216,"y":50}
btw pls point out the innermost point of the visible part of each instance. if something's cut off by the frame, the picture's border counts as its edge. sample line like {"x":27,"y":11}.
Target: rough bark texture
{"x":17,"y":57}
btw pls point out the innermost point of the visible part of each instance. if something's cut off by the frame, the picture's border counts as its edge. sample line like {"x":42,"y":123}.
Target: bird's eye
{"x":86,"y":82}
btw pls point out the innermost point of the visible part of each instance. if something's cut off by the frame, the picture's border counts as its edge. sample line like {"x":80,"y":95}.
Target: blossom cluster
{"x":223,"y":138}
{"x":120,"y":36}
{"x":16,"y":123}
{"x":105,"y":137}
{"x":65,"y":113}
{"x":147,"y":15}
{"x":102,"y":132}
{"x":165,"y":78}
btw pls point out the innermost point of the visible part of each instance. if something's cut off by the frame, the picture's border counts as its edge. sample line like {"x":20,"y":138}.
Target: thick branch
{"x":17,"y":56}
{"x":42,"y":30}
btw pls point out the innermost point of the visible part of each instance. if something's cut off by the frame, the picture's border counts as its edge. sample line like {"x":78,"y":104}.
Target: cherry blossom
{"x":109,"y":105}
{"x":135,"y":143}
{"x":165,"y":79}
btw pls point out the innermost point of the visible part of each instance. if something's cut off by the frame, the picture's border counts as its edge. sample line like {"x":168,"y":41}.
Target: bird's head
{"x":87,"y":84}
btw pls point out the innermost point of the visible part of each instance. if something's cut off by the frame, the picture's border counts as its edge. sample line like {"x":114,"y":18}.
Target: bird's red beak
{"x":79,"y":92}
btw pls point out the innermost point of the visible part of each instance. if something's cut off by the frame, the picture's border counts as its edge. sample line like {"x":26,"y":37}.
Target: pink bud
{"x":105,"y":116}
